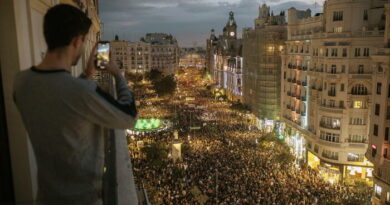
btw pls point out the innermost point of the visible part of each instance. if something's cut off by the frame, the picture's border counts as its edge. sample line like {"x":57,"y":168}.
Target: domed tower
{"x":230,"y":30}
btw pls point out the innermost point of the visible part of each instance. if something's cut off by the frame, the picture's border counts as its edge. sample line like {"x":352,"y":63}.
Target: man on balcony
{"x":65,"y":116}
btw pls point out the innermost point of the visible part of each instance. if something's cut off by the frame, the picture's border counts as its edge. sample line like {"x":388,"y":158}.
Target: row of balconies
{"x":298,"y":122}
{"x":299,"y":82}
{"x":298,"y":111}
{"x":290,"y":66}
{"x":297,"y":96}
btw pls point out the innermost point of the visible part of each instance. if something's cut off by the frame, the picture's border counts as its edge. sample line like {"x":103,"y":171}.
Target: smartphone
{"x":103,"y":54}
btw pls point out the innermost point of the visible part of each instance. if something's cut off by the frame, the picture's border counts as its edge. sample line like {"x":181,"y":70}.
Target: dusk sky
{"x":190,"y":21}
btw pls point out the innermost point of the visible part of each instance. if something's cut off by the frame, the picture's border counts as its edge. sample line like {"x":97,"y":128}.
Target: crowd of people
{"x":223,"y":163}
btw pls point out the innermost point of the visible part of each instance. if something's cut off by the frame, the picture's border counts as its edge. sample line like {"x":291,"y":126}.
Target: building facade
{"x":135,"y":57}
{"x":378,"y":147}
{"x":224,"y":61}
{"x":262,"y":48}
{"x":155,"y":51}
{"x":165,"y":52}
{"x":327,"y":86}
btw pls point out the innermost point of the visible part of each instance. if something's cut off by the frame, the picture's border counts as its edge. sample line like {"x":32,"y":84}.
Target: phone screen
{"x":103,"y":54}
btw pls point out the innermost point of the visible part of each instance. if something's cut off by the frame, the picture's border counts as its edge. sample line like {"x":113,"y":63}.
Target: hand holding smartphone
{"x":102,"y":55}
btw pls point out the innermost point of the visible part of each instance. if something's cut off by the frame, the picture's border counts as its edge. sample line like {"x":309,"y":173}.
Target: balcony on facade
{"x":329,"y":126}
{"x":330,"y":155}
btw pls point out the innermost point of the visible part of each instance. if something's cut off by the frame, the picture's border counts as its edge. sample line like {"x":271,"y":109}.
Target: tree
{"x":154,"y":75}
{"x":165,"y":86}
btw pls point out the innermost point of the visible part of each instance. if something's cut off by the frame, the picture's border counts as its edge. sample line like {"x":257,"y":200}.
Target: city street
{"x":222,"y":160}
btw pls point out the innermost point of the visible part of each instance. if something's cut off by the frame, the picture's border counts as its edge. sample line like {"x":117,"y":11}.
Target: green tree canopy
{"x":165,"y":86}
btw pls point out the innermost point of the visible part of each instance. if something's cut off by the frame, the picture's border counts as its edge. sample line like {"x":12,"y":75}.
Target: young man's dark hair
{"x":65,"y":116}
{"x":62,"y":23}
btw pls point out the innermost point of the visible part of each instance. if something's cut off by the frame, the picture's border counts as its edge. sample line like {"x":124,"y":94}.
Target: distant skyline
{"x":189,"y":22}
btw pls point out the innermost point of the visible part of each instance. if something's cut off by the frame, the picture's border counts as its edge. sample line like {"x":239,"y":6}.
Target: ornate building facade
{"x":224,"y":60}
{"x":327,"y":86}
{"x":262,"y":48}
{"x":155,"y":51}
{"x":378,"y":148}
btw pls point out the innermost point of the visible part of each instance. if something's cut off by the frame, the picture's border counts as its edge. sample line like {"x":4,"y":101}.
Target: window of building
{"x":332,"y":103}
{"x":341,"y":104}
{"x":357,"y":52}
{"x":377,"y":109}
{"x":330,"y":155}
{"x":365,"y":15}
{"x":357,"y":104}
{"x":338,"y":16}
{"x":352,"y":157}
{"x":332,"y":90}
{"x":331,"y":137}
{"x":356,"y":121}
{"x":379,"y":68}
{"x":338,"y":29}
{"x":378,"y":88}
{"x":360,"y":69}
{"x":316,"y":148}
{"x":375,"y":130}
{"x":342,"y":87}
{"x":366,"y":52}
{"x":345,"y":52}
{"x":388,"y":92}
{"x":326,"y":52}
{"x":357,"y":138}
{"x":334,"y":52}
{"x":359,"y":89}
{"x":333,"y":69}
{"x":378,"y":191}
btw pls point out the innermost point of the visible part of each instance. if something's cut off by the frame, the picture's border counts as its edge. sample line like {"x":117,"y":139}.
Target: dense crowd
{"x":223,"y":163}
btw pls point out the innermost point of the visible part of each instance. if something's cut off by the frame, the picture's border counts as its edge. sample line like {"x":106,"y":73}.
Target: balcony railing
{"x":331,"y":93}
{"x":329,"y":126}
{"x":363,"y":141}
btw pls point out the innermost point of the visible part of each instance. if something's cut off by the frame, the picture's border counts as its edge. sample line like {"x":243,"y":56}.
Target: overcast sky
{"x":190,"y":21}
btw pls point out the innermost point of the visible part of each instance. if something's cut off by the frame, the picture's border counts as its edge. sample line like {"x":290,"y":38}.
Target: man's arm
{"x":101,"y":108}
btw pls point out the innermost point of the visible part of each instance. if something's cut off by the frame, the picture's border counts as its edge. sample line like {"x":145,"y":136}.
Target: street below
{"x":218,"y":156}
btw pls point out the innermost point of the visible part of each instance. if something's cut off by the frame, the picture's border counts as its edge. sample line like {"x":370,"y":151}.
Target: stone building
{"x":155,"y":51}
{"x":378,"y":148}
{"x":224,"y":61}
{"x":262,"y":48}
{"x":132,"y":56}
{"x":327,"y":86}
{"x":165,"y":52}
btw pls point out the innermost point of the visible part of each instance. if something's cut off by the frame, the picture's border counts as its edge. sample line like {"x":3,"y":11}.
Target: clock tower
{"x":230,"y":30}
